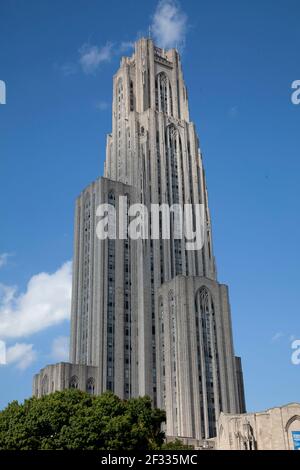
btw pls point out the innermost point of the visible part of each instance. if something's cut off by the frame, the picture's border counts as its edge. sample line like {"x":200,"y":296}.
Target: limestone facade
{"x":267,"y":430}
{"x":64,"y":375}
{"x":149,"y":315}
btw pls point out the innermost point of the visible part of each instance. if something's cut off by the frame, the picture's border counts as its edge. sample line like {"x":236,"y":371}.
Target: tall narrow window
{"x":131,"y":96}
{"x":173,"y":153}
{"x":173,"y":342}
{"x":119,"y":122}
{"x":111,"y":252}
{"x":163,"y":94}
{"x":127,"y":312}
{"x":162,"y":351}
{"x":206,"y":350}
{"x":85,"y":299}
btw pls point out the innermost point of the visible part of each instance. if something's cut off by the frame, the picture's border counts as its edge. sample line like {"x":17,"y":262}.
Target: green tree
{"x":175,"y":445}
{"x":75,"y":420}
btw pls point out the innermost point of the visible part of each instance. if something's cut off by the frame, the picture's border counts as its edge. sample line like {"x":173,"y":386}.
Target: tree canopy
{"x":176,"y":445}
{"x":73,"y":420}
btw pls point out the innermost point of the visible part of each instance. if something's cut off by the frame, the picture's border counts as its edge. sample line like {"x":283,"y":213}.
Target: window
{"x":73,"y":382}
{"x":163,"y":90}
{"x":90,"y":386}
{"x":131,"y":96}
{"x":207,"y":346}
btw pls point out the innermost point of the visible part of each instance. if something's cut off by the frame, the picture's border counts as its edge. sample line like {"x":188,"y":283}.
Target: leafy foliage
{"x":73,"y":420}
{"x":176,"y":445}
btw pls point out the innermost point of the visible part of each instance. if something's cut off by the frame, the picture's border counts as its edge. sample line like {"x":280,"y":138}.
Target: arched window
{"x":205,"y":320}
{"x":163,"y":94}
{"x":292,"y":426}
{"x":291,"y":421}
{"x":73,"y":383}
{"x":111,"y":197}
{"x":205,"y":300}
{"x":90,"y":386}
{"x":207,"y":359}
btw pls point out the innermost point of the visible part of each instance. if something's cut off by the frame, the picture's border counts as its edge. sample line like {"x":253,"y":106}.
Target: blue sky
{"x":240,"y":59}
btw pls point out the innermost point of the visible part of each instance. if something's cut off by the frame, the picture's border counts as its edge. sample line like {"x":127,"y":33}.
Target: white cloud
{"x":60,"y":349}
{"x":92,"y":56}
{"x":169,"y":25}
{"x":169,"y":28}
{"x":3,"y":259}
{"x":21,"y":354}
{"x":45,"y":303}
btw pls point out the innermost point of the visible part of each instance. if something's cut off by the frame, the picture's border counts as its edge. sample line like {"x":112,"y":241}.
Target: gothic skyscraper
{"x":149,"y":316}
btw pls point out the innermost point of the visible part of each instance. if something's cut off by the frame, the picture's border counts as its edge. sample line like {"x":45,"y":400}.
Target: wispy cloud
{"x":21,"y":354}
{"x":92,"y":56}
{"x":277,"y":336}
{"x":3,"y":259}
{"x":60,"y":349}
{"x":102,"y":105}
{"x":169,"y":28}
{"x":233,"y":112}
{"x":126,"y":46}
{"x":169,"y":25}
{"x":46,"y":302}
{"x":68,"y":69}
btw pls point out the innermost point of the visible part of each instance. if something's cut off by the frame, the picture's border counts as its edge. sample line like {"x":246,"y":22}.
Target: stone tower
{"x":148,"y":315}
